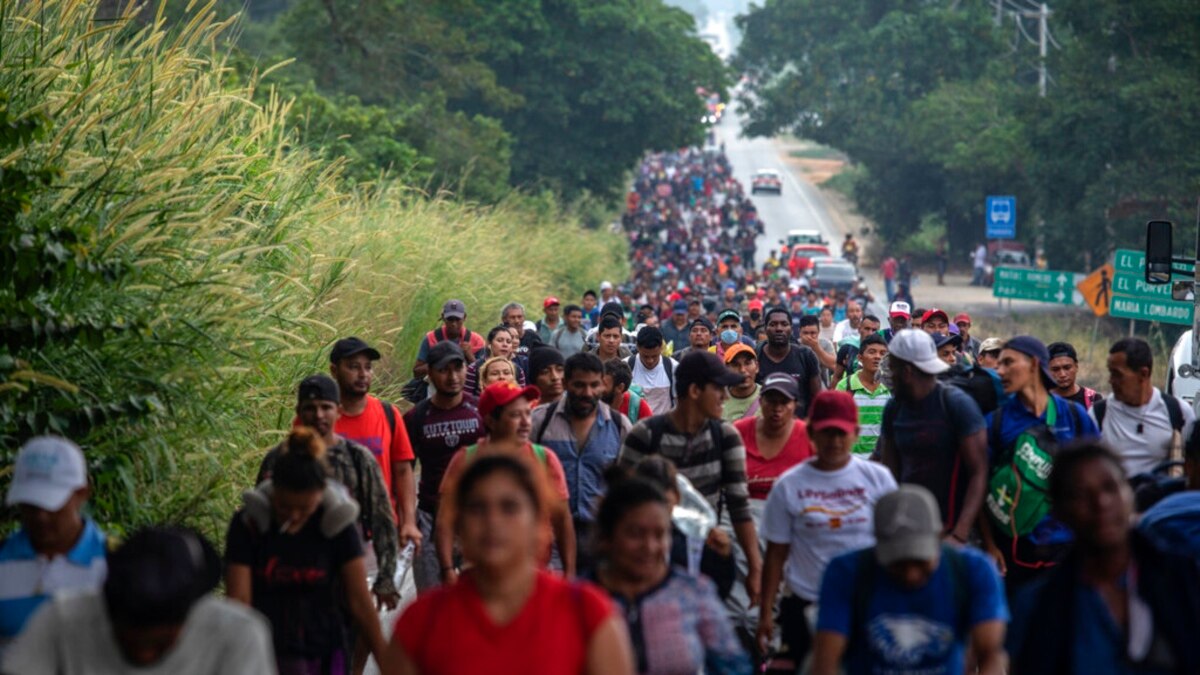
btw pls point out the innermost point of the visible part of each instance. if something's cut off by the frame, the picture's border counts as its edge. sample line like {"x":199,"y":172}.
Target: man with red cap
{"x":970,"y":345}
{"x":754,"y":310}
{"x":936,"y":322}
{"x":816,"y":511}
{"x":550,"y":321}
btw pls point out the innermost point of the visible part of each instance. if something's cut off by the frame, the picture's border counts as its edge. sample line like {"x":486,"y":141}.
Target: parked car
{"x":766,"y":180}
{"x":831,"y":274}
{"x":1004,"y":254}
{"x":802,"y":255}
{"x":813,"y":237}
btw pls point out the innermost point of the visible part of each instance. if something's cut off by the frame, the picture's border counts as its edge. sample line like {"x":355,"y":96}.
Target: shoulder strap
{"x":545,"y":421}
{"x":419,"y":413}
{"x":471,"y":450}
{"x":539,"y":451}
{"x":1099,"y":408}
{"x":630,"y":361}
{"x":657,"y":425}
{"x":753,"y":409}
{"x":994,"y":432}
{"x":1174,"y":411}
{"x":390,"y":413}
{"x":432,"y":336}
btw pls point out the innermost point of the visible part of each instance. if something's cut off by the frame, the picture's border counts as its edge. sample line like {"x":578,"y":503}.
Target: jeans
{"x":889,"y":286}
{"x":977,"y":277}
{"x":427,"y":573}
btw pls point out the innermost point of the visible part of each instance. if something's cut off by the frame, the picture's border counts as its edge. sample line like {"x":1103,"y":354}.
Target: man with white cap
{"x":933,"y":434}
{"x":56,"y":548}
{"x":899,"y":318}
{"x":910,"y":604}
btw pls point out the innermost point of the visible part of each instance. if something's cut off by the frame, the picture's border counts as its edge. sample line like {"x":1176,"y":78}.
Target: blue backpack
{"x":1174,"y":524}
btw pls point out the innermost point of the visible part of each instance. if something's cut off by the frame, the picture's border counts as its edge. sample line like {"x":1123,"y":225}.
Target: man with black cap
{"x":781,"y":355}
{"x":654,"y":374}
{"x":546,"y":373}
{"x":700,"y":338}
{"x":438,"y":426}
{"x":706,"y":450}
{"x":1064,"y":365}
{"x":355,"y":467}
{"x":454,"y":329}
{"x":910,"y":603}
{"x":1023,"y":436}
{"x":376,"y":424}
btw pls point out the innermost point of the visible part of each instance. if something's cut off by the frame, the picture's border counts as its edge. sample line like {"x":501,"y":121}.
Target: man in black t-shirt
{"x":781,"y":355}
{"x":437,"y":427}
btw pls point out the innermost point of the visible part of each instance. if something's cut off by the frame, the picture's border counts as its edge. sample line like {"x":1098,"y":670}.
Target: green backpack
{"x":1017,"y":497}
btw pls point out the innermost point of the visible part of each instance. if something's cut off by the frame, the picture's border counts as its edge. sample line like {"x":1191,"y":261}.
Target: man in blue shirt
{"x":56,"y":548}
{"x":1023,"y":550}
{"x":910,"y":604}
{"x":586,"y":435}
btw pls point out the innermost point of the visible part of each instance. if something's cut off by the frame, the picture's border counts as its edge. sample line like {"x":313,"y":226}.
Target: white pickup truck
{"x":1179,"y":385}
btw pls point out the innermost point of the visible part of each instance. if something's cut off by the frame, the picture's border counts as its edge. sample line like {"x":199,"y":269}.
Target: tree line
{"x":937,"y":105}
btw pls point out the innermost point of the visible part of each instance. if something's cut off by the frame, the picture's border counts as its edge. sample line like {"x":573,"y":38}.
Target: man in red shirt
{"x":379,"y":426}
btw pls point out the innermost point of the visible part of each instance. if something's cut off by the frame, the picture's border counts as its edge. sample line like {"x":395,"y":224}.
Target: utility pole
{"x":1042,"y":15}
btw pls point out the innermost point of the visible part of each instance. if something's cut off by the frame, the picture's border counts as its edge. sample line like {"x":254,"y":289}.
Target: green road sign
{"x":1133,"y":298}
{"x":1022,"y":283}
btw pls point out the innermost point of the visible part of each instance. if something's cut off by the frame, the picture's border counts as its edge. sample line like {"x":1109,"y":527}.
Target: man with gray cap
{"x":910,"y":604}
{"x":56,"y":548}
{"x":454,"y":329}
{"x":932,"y":434}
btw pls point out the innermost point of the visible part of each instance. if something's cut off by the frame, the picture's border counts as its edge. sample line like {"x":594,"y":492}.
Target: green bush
{"x":174,"y":262}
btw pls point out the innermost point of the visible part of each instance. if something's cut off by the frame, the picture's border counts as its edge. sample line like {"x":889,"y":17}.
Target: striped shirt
{"x":715,"y":472}
{"x":870,"y":411}
{"x":28,"y":579}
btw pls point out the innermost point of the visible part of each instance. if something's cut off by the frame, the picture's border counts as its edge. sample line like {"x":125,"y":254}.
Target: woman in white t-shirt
{"x":816,"y":511}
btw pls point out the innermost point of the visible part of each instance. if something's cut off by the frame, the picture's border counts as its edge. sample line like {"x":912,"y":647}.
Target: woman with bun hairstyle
{"x":294,"y":554}
{"x":156,"y":615}
{"x":505,"y":614}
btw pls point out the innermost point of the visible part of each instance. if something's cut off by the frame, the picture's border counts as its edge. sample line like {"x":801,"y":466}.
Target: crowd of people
{"x":707,"y":469}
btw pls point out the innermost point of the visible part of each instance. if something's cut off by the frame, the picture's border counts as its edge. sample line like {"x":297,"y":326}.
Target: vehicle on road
{"x":1004,"y":254}
{"x":832,"y":274}
{"x":812,"y":237}
{"x":802,"y":256}
{"x":766,"y":180}
{"x":1182,"y":387}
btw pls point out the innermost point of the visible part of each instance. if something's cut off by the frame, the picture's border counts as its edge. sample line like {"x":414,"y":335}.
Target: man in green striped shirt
{"x":869,"y":393}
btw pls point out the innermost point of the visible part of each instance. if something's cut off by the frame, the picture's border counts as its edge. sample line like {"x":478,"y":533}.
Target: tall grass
{"x":185,"y":266}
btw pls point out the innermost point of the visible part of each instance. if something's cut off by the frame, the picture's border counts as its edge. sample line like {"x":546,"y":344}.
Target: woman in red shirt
{"x":505,"y":614}
{"x":776,"y":441}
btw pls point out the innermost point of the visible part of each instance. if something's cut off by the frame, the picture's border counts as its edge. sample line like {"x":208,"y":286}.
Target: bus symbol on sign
{"x":1001,"y":213}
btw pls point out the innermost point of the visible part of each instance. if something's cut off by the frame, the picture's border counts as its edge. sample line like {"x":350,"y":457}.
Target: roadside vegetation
{"x":175,"y":261}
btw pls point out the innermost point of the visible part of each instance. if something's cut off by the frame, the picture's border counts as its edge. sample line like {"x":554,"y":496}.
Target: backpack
{"x":668,"y":365}
{"x":635,"y":406}
{"x":1175,"y":525}
{"x":1017,"y":498}
{"x":1174,"y":411}
{"x":981,"y":384}
{"x":886,"y":427}
{"x":865,"y":578}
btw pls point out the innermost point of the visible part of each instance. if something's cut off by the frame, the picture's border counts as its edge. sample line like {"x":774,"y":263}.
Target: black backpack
{"x":981,"y":384}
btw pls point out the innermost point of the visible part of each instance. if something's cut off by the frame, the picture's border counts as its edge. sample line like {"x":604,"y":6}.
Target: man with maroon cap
{"x":816,"y":511}
{"x":550,"y":321}
{"x":453,"y":328}
{"x":970,"y":345}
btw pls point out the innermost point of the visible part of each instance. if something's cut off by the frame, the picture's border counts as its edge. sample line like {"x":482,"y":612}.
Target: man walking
{"x":1064,"y":366}
{"x":355,"y":467}
{"x":888,"y":269}
{"x":780,"y":355}
{"x":377,"y":425}
{"x":550,"y":319}
{"x":438,"y":426}
{"x":978,"y":264}
{"x":743,"y":398}
{"x":454,"y":329}
{"x":932,"y":434}
{"x":1145,"y":425}
{"x":651,"y":372}
{"x":848,"y":327}
{"x":586,"y":435}
{"x":970,"y":345}
{"x":706,"y":450}
{"x":569,"y":338}
{"x":676,"y":330}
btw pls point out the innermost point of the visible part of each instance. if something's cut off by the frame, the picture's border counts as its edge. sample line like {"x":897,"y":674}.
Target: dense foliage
{"x":480,"y":96}
{"x":939,"y":106}
{"x":174,"y":262}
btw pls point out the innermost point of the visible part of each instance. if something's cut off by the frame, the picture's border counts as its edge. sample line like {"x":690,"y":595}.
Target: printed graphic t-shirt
{"x":910,"y":630}
{"x":436,"y":434}
{"x":822,"y":514}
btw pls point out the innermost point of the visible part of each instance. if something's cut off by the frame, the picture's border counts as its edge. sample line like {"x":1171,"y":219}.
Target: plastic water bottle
{"x":404,"y":563}
{"x":695,"y":518}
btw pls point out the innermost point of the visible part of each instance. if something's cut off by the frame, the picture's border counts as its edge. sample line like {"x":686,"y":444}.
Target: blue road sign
{"x":1001,"y":215}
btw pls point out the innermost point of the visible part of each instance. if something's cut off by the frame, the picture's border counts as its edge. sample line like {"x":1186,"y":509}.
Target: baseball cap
{"x":961,"y":317}
{"x":680,"y":307}
{"x":318,"y":388}
{"x":347,"y":347}
{"x":1058,"y":349}
{"x":701,"y":368}
{"x":550,"y":302}
{"x":649,"y":337}
{"x":908,"y":526}
{"x":500,"y":394}
{"x":833,"y":409}
{"x":754,"y":304}
{"x":917,"y":347}
{"x":930,"y":313}
{"x":729,"y":314}
{"x":739,"y":348}
{"x":1033,"y":348}
{"x":443,"y":354}
{"x":606,"y":285}
{"x":992,"y":344}
{"x":703,"y":321}
{"x":940,"y":340}
{"x":454,"y":309}
{"x":900,"y":308}
{"x":783,"y":383}
{"x":48,"y":470}
{"x":613,"y":307}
